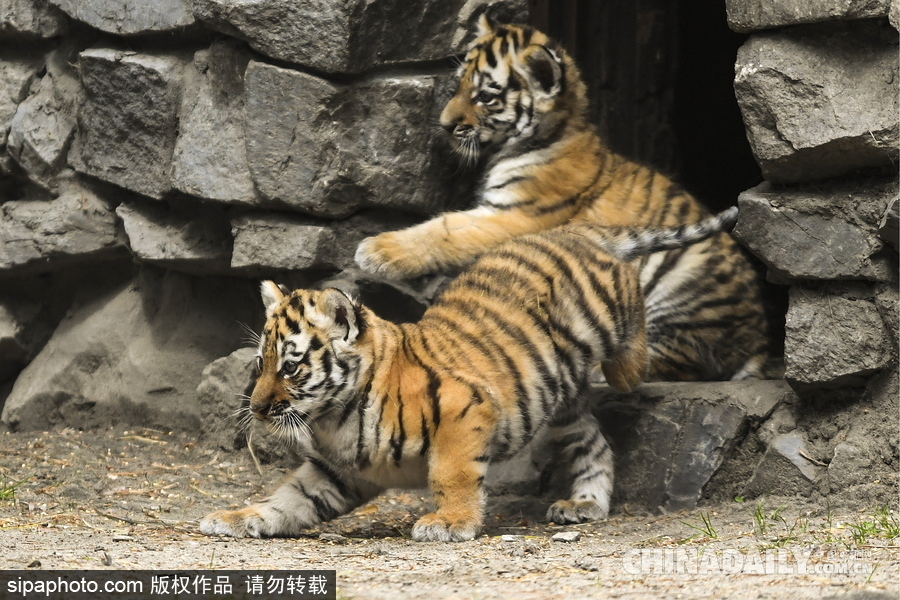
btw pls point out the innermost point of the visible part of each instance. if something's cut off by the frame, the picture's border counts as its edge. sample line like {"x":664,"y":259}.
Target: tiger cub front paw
{"x":246,"y":522}
{"x":434,"y":528}
{"x":385,"y":254}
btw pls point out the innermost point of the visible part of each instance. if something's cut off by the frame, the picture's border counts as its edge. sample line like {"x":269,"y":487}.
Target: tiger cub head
{"x":515,"y":83}
{"x":308,"y":365}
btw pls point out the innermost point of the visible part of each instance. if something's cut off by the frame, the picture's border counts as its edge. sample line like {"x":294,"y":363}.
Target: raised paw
{"x":434,"y":528}
{"x":575,"y":511}
{"x":385,"y":254}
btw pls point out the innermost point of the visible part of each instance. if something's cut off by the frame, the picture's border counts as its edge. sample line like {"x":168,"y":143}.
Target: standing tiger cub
{"x":520,"y":111}
{"x":502,"y":354}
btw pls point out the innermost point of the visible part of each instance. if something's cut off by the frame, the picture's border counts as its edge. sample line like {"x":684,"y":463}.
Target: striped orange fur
{"x":502,"y":356}
{"x":520,"y":113}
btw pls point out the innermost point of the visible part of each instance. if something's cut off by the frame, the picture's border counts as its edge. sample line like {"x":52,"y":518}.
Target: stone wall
{"x":817,"y":84}
{"x":157,"y":158}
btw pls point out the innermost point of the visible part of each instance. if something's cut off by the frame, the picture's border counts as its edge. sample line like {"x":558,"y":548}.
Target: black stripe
{"x":353,"y":404}
{"x":291,"y":323}
{"x":324,"y":511}
{"x":671,"y":259}
{"x":490,"y":57}
{"x":426,"y":437}
{"x":509,"y":181}
{"x":559,"y":205}
{"x":396,"y":443}
{"x":434,"y":384}
{"x":331,"y":474}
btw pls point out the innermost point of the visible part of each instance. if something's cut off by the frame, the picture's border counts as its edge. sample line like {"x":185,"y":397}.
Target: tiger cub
{"x":503,"y":354}
{"x":520,"y":111}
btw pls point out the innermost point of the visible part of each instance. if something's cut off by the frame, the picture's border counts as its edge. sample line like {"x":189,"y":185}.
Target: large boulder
{"x":821,"y":232}
{"x":31,"y":18}
{"x":834,"y":336}
{"x":820,"y":102}
{"x":134,"y":355}
{"x":669,"y":440}
{"x":349,"y":36}
{"x":330,"y":149}
{"x":129,"y":16}
{"x":749,"y":15}
{"x":128,"y":119}
{"x":210,"y":158}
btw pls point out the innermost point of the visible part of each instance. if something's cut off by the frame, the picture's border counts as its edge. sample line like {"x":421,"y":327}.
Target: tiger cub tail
{"x":629,"y":243}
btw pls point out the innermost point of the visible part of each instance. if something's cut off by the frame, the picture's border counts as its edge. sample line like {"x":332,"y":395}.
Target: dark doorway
{"x":660,"y":76}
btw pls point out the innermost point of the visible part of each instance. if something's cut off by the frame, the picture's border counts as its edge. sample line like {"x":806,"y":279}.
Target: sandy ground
{"x":131,"y":499}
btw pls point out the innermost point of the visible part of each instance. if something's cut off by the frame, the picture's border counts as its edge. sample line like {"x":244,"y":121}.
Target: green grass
{"x":8,"y":491}
{"x":705,"y":527}
{"x":882,"y":524}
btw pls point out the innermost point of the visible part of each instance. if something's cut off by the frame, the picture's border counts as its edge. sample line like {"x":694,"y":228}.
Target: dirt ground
{"x":131,"y":499}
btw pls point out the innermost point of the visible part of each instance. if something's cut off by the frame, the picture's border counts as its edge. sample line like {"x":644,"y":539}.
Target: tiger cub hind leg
{"x":580,"y":444}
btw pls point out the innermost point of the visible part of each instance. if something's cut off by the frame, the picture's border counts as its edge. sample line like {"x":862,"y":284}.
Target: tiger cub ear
{"x":542,"y":70}
{"x":486,"y":25}
{"x":341,"y":312}
{"x":272,"y":295}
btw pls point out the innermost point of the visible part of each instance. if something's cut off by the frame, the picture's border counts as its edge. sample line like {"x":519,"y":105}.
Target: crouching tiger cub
{"x":502,"y":354}
{"x":520,"y":111}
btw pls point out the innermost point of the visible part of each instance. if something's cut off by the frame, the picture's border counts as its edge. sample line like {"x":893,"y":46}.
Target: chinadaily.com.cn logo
{"x":694,"y":561}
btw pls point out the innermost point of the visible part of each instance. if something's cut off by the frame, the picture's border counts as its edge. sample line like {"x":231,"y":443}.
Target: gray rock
{"x":31,"y":18}
{"x":15,"y":320}
{"x":671,"y":438}
{"x":350,"y":36}
{"x":887,"y":301}
{"x":821,"y":232}
{"x":566,"y":536}
{"x":749,"y":15}
{"x":129,"y":16}
{"x":44,"y":124}
{"x":17,"y":71}
{"x":889,"y":227}
{"x":277,"y":242}
{"x":820,"y":102}
{"x":210,"y":154}
{"x":894,"y":14}
{"x":270,"y":242}
{"x":37,"y":235}
{"x":128,"y":120}
{"x":783,"y":469}
{"x":132,"y":356}
{"x":331,"y":149}
{"x":848,"y":467}
{"x":222,"y":385}
{"x":782,"y":421}
{"x":178,"y":237}
{"x":834,"y":335}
